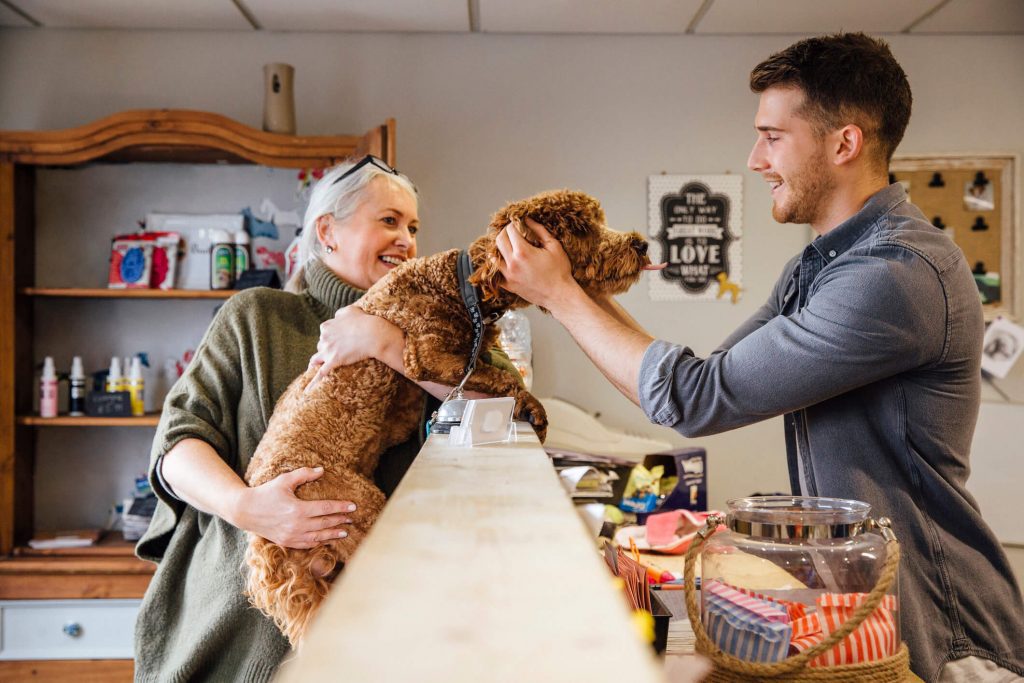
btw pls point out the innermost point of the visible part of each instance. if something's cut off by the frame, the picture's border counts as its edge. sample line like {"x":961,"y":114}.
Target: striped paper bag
{"x":745,"y":627}
{"x":873,"y":640}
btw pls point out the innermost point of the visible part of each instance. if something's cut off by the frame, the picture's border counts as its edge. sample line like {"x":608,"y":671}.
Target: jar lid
{"x":796,"y":517}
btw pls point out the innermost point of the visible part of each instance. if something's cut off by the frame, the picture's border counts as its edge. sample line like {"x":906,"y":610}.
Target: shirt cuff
{"x":657,"y":398}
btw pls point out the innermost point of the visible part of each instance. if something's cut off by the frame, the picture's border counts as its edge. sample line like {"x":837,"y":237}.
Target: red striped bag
{"x":873,"y":640}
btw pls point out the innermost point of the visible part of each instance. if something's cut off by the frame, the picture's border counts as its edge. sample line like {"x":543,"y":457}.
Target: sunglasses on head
{"x":368,"y":159}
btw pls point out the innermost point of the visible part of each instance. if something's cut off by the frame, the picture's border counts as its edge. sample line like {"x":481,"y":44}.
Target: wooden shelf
{"x":75,"y":577}
{"x":102,"y":293}
{"x":150,"y":420}
{"x":60,"y":670}
{"x":112,"y":544}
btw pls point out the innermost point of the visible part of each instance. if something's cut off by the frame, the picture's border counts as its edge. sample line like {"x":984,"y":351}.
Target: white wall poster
{"x":696,"y":226}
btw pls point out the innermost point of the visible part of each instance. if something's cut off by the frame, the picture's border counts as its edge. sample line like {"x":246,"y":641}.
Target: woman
{"x":195,"y":623}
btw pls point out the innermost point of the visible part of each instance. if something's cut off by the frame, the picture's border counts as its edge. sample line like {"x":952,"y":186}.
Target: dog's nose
{"x":640,"y":246}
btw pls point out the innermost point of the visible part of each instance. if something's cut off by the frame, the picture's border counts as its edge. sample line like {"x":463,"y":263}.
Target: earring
{"x":330,"y":249}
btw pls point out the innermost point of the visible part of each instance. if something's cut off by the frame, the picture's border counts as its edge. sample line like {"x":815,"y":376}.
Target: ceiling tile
{"x":135,"y":14}
{"x":586,"y":16}
{"x":812,"y":16}
{"x":975,"y":16}
{"x":361,"y":15}
{"x":9,"y":17}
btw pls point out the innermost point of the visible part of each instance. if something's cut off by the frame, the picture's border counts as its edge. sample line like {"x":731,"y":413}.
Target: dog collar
{"x":471,"y":299}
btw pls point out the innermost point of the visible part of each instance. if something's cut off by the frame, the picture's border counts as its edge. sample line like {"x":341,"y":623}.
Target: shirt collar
{"x":327,"y":289}
{"x":836,"y":241}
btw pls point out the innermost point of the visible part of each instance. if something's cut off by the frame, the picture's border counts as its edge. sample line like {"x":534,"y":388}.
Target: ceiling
{"x":701,"y":17}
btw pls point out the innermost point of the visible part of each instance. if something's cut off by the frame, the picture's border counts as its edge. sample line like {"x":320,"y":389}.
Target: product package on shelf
{"x":143,"y":260}
{"x":196,"y":231}
{"x":130,"y":263}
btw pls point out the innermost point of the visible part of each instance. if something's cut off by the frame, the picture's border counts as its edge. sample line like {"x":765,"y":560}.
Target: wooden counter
{"x":478,"y":570}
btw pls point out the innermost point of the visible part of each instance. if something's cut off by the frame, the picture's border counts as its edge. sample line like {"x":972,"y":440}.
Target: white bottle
{"x":515,"y":339}
{"x":115,"y":380}
{"x":48,"y":389}
{"x":76,"y":388}
{"x":137,"y":388}
{"x":242,"y":255}
{"x":222,"y":259}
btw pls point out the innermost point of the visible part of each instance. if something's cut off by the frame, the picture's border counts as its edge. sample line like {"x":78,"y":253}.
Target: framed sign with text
{"x":696,"y":226}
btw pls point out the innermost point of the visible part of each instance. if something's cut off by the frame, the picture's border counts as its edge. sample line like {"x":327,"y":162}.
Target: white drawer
{"x":67,"y":629}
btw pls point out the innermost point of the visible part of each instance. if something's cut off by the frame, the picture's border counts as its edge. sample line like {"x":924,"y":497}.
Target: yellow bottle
{"x":137,"y":388}
{"x":115,"y":381}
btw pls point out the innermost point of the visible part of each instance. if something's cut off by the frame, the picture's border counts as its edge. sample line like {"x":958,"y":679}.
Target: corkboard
{"x":992,"y":249}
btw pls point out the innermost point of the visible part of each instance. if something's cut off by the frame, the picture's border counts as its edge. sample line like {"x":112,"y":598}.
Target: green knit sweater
{"x":195,"y":623}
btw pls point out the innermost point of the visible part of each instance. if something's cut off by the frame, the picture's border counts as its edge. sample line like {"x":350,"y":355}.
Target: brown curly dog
{"x":351,"y":417}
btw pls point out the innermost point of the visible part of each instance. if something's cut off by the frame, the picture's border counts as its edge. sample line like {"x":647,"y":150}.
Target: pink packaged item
{"x":165,"y":259}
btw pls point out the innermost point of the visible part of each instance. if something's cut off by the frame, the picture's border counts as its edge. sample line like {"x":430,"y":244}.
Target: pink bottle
{"x":48,"y":390}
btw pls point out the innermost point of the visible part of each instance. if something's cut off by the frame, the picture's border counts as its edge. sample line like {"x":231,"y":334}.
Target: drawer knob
{"x":74,"y":629}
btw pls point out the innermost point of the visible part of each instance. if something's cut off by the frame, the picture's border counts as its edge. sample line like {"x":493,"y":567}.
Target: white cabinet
{"x":67,"y":629}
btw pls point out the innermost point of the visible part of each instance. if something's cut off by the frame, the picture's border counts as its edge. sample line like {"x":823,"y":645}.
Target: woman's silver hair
{"x":340,"y":200}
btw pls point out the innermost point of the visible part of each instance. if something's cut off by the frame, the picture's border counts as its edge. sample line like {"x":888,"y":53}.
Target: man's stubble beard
{"x":809,"y":190}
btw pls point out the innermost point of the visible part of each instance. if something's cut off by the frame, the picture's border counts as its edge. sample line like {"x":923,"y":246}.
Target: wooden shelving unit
{"x":150,"y":420}
{"x":109,"y":569}
{"x":100,"y":293}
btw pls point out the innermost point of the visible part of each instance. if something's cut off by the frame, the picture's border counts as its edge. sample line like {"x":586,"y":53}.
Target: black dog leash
{"x":471,"y":299}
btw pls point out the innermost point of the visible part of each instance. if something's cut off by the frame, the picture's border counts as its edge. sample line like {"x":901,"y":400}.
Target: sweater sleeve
{"x":496,"y":357}
{"x":202,"y":405}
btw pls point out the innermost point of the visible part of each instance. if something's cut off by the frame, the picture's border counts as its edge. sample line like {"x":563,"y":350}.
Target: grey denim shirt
{"x":870,"y":345}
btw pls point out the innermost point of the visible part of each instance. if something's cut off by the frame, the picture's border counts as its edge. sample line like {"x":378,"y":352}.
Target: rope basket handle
{"x":801,"y":659}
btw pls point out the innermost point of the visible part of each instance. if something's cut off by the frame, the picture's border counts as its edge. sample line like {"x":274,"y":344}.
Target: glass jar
{"x":785,"y":572}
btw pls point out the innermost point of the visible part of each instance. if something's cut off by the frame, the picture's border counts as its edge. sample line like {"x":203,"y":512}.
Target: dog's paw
{"x":530,"y":409}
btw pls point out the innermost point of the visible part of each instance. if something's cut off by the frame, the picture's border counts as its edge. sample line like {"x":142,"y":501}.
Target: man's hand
{"x":541,"y":275}
{"x":351,"y":336}
{"x":273,"y":511}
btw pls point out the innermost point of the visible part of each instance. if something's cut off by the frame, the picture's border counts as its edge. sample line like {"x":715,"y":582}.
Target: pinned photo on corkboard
{"x":1003,"y":345}
{"x":979,"y":196}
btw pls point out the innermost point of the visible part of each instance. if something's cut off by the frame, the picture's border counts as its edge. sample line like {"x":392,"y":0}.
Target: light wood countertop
{"x":479,"y":569}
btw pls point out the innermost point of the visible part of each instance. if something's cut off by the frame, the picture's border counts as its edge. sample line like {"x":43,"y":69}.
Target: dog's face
{"x":603,"y":261}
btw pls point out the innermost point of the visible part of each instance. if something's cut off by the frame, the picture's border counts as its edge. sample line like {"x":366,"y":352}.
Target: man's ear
{"x":847,"y":144}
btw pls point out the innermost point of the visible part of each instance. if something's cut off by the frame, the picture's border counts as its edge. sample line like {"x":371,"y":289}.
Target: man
{"x":870,"y":345}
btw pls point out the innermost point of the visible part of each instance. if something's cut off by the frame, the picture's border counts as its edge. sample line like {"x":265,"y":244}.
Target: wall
{"x":483,"y":119}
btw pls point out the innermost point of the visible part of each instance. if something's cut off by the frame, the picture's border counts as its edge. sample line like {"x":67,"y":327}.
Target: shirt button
{"x":832,"y":254}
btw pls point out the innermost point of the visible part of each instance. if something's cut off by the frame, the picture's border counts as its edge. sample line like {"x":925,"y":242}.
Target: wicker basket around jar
{"x":811,"y":576}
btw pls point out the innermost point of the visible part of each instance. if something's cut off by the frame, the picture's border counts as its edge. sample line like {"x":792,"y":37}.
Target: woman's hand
{"x":196,"y":474}
{"x":351,"y":336}
{"x":273,"y":511}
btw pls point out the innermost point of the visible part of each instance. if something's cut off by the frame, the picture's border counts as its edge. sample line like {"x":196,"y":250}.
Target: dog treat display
{"x":359,"y":411}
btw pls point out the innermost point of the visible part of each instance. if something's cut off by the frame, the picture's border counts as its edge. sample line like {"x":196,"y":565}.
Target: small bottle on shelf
{"x":115,"y":380}
{"x":241,"y":253}
{"x":76,"y":389}
{"x":136,"y":388}
{"x":48,"y":389}
{"x":222,"y":259}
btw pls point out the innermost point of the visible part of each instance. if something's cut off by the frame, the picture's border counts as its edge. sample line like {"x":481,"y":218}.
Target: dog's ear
{"x":484,"y":252}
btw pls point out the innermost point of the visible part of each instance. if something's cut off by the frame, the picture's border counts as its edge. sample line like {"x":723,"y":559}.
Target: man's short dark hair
{"x":846,"y":78}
